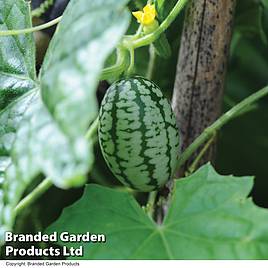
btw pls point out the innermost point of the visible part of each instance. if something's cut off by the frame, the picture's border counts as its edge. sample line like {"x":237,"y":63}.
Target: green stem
{"x":118,"y":68}
{"x":192,"y":168}
{"x":92,"y":131}
{"x":150,"y":38}
{"x":139,"y":32}
{"x":151,"y":64}
{"x":32,"y":29}
{"x":131,"y":67}
{"x":113,"y":71}
{"x":34,"y":195}
{"x":151,"y":203}
{"x":208,"y":132}
{"x":47,"y":183}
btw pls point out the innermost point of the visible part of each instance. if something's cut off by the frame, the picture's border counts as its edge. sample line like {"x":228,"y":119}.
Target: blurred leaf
{"x":265,"y":3}
{"x":33,"y":139}
{"x":210,"y":217}
{"x":36,"y":150}
{"x":10,"y":189}
{"x":74,"y":61}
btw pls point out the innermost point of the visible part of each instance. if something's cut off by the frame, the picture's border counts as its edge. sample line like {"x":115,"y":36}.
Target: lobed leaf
{"x":210,"y":217}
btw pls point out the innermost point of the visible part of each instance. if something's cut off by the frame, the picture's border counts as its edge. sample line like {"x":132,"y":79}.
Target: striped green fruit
{"x":138,"y":134}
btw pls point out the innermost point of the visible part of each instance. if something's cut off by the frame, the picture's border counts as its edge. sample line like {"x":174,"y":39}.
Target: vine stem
{"x":47,"y":183}
{"x":128,"y":43}
{"x":92,"y":129}
{"x":194,"y":165}
{"x":34,"y":195}
{"x":151,"y":64}
{"x":119,"y":67}
{"x":150,"y":38}
{"x":131,"y":66}
{"x":225,"y":118}
{"x":32,"y":29}
{"x":151,"y":203}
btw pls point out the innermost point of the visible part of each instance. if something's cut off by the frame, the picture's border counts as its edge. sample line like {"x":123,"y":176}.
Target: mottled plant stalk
{"x":201,"y":69}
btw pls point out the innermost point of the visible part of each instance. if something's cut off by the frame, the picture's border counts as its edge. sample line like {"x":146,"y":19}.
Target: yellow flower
{"x":147,"y":16}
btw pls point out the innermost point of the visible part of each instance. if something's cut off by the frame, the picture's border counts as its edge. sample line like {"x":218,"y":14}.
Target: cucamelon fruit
{"x":138,"y":134}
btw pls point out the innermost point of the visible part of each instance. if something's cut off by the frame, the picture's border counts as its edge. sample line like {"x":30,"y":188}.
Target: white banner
{"x":135,"y":264}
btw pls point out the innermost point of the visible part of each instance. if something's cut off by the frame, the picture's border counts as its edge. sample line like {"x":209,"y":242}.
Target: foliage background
{"x":242,"y":144}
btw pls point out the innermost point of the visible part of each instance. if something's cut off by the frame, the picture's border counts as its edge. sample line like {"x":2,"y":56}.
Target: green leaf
{"x":41,"y":147}
{"x":32,"y":142}
{"x":86,"y":36}
{"x":210,"y":217}
{"x":10,"y":119}
{"x":32,"y":139}
{"x":11,"y":189}
{"x":36,"y":145}
{"x":17,"y":74}
{"x":17,"y":53}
